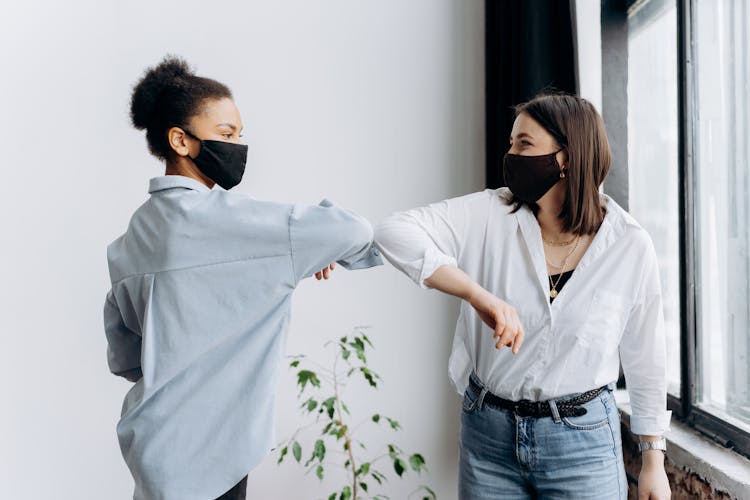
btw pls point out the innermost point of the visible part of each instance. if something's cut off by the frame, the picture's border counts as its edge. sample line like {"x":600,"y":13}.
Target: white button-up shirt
{"x":202,"y":282}
{"x":610,"y":308}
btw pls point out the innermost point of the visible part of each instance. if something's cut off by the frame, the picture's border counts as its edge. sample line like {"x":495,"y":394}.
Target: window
{"x":688,"y":124}
{"x":653,"y":174}
{"x":722,"y":211}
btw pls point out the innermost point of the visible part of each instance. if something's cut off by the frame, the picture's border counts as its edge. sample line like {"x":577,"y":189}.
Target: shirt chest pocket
{"x":605,"y":321}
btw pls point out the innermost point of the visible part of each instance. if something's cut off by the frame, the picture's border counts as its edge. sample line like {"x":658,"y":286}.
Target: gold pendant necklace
{"x":553,"y":290}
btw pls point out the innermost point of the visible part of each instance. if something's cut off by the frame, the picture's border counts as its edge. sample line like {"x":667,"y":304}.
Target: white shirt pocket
{"x":605,"y":321}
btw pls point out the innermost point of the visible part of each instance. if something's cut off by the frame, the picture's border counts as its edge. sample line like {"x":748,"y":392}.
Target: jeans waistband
{"x":564,"y":406}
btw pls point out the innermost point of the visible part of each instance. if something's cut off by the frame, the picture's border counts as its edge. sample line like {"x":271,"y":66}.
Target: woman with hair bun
{"x":568,"y":281}
{"x":202,"y":281}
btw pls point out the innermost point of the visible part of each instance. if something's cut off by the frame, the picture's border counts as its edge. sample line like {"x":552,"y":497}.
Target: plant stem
{"x":347,"y":438}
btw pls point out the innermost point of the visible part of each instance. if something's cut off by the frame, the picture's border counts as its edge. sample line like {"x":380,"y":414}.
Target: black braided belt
{"x":539,"y":409}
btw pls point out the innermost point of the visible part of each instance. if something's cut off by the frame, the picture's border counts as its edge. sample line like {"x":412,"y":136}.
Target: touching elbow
{"x":363,"y":233}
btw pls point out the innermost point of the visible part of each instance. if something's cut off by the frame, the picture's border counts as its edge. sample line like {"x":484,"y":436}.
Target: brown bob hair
{"x":578,"y":128}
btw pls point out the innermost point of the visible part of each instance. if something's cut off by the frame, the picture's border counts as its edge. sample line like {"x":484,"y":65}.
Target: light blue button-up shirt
{"x":197,"y":316}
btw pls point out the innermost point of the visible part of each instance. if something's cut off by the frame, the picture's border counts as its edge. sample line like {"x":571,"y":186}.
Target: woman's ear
{"x":178,"y":141}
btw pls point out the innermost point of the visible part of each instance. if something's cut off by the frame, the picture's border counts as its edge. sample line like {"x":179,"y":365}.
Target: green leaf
{"x":369,"y":376}
{"x":319,"y":472}
{"x":376,"y":418}
{"x":364,"y":337}
{"x":343,"y":407}
{"x":306,"y":376}
{"x":432,"y":495}
{"x":364,"y":486}
{"x":283,"y":453}
{"x":417,"y":462}
{"x":346,"y":493}
{"x":294,"y":364}
{"x":358,"y":344}
{"x":297,"y":451}
{"x":319,"y":450}
{"x":341,"y":432}
{"x":378,"y":476}
{"x":345,"y":353}
{"x":399,"y":466}
{"x":329,"y":405}
{"x":364,"y":469}
{"x":310,"y":405}
{"x":332,"y":496}
{"x":392,"y":451}
{"x":394,"y":424}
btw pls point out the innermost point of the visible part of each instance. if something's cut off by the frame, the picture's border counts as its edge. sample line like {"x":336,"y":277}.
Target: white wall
{"x":375,"y":104}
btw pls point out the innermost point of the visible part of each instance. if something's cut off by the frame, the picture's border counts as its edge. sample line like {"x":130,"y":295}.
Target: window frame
{"x":685,"y":406}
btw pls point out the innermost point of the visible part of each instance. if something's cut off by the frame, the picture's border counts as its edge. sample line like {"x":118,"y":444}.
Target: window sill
{"x":723,"y":469}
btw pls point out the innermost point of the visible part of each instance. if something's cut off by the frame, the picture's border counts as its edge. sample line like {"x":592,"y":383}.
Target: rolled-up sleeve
{"x":123,"y":345}
{"x":419,"y":241}
{"x":322,"y":234}
{"x":643,"y":353}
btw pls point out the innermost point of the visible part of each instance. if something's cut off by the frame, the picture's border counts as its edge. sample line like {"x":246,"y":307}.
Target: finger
{"x":332,"y":266}
{"x":518,"y":341}
{"x":318,"y":275}
{"x":325,"y":273}
{"x":507,"y":336}
{"x":500,"y":328}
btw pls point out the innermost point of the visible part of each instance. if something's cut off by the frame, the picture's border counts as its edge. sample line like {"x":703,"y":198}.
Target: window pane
{"x":653,"y":153}
{"x":722,"y":76}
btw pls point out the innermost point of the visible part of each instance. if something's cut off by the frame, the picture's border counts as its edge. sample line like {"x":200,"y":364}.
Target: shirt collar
{"x":613,"y":227}
{"x":175,"y":181}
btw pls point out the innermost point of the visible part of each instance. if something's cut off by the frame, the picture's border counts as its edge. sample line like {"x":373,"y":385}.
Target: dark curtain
{"x":529,"y":47}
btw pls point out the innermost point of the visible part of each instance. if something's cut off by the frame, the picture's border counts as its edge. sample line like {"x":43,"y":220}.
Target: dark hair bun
{"x":169,"y":95}
{"x":171,"y":73}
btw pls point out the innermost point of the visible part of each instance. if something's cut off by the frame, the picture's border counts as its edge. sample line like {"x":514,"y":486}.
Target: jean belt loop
{"x":480,"y":399}
{"x":555,"y":411}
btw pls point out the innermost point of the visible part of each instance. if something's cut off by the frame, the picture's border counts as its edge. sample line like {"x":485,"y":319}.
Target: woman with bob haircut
{"x":200,"y":303}
{"x":559,"y":285}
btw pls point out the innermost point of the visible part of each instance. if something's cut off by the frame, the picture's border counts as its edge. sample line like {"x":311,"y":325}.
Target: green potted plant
{"x":321,"y":391}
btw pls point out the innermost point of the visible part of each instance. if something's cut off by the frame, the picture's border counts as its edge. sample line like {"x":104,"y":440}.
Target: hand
{"x":325,"y":272}
{"x":652,"y":481}
{"x":501,"y":317}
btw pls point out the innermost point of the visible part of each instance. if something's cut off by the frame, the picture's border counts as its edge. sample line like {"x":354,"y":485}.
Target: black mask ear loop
{"x":193,"y":136}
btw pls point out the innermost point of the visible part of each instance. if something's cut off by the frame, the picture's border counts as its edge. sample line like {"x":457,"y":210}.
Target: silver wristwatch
{"x":659,"y":444}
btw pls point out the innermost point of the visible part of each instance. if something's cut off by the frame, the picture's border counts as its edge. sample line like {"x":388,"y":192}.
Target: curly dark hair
{"x":167,"y":96}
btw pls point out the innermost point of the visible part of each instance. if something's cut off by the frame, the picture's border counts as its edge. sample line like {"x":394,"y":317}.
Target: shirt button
{"x":375,"y":252}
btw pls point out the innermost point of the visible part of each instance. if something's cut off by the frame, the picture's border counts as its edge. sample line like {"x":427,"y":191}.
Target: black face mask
{"x":530,"y":177}
{"x":222,"y":162}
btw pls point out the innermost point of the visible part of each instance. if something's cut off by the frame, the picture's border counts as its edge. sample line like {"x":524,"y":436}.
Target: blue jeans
{"x":505,"y":456}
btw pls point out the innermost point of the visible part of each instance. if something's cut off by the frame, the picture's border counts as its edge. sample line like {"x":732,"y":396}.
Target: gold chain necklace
{"x":559,"y":243}
{"x":565,"y":260}
{"x":553,"y":284}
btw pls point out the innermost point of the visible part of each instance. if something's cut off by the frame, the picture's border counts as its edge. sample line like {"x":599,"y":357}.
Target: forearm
{"x":453,"y":281}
